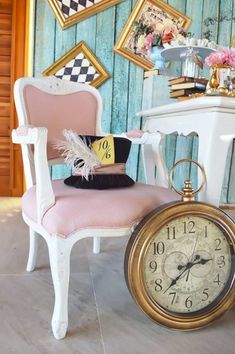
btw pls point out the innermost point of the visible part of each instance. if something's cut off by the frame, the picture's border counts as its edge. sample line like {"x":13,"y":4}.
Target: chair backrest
{"x":56,"y":104}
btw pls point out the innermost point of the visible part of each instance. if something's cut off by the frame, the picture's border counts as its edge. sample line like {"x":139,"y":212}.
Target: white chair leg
{"x":33,"y":250}
{"x":96,"y":245}
{"x":59,"y":254}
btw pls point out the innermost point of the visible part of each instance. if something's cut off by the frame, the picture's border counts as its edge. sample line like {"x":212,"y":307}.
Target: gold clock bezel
{"x":136,"y":250}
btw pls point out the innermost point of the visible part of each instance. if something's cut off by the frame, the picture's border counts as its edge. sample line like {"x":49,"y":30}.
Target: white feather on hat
{"x":77,"y":153}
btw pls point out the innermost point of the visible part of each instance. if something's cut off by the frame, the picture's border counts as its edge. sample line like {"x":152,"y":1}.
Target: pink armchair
{"x":63,"y":215}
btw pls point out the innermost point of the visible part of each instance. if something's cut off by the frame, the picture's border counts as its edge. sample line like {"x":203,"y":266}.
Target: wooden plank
{"x":5,"y":86}
{"x":147,"y":99}
{"x":60,"y":171}
{"x":179,"y":5}
{"x":193,"y":8}
{"x":64,"y":40}
{"x":193,"y":167}
{"x":136,"y":75}
{"x":5,"y":189}
{"x":225,"y":27}
{"x":4,"y":108}
{"x":5,"y":65}
{"x":233,"y":25}
{"x":105,"y":24}
{"x":86,"y":31}
{"x":4,"y":156}
{"x":120,"y":75}
{"x":226,"y":183}
{"x":210,"y":10}
{"x":5,"y":6}
{"x":134,"y":105}
{"x":5,"y":44}
{"x":4,"y":166}
{"x":5,"y":23}
{"x":44,"y":37}
{"x":5,"y":147}
{"x":183,"y":151}
{"x":17,"y":70}
{"x":169,"y":150}
{"x":4,"y":126}
{"x":231,"y":189}
{"x":160,"y":91}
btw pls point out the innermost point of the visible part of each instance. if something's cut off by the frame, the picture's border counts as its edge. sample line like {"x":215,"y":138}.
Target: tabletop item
{"x":192,"y":57}
{"x":179,"y":262}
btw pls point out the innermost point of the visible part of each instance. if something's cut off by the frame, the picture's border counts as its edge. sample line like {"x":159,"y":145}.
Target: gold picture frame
{"x":79,"y":65}
{"x":68,"y":16}
{"x":153,"y":10}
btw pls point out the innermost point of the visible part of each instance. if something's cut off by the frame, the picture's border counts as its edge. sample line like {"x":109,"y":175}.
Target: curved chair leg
{"x":33,"y":250}
{"x":96,"y":245}
{"x":59,"y":254}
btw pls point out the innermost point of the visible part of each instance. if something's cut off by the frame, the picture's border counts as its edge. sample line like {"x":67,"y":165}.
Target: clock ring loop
{"x":171,"y":176}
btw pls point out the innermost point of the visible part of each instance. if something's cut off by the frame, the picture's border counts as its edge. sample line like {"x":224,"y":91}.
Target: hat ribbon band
{"x":109,"y":169}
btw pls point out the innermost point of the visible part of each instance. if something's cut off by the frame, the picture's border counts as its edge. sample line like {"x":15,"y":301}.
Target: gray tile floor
{"x":102,"y":316}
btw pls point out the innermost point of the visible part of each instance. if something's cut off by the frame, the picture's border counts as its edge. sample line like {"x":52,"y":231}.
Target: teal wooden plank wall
{"x":122,"y":93}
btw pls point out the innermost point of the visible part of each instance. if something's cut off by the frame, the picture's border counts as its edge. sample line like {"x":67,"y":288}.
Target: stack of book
{"x":184,"y":86}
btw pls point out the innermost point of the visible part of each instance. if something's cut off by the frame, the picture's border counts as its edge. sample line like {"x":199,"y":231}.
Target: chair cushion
{"x":77,"y":209}
{"x":122,"y":148}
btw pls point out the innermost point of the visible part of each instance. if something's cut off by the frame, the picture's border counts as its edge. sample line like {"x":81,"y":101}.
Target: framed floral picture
{"x":79,"y":65}
{"x":152,"y":22}
{"x":69,"y":12}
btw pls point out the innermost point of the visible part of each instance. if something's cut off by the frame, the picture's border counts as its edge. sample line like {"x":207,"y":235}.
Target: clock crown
{"x":187,"y":195}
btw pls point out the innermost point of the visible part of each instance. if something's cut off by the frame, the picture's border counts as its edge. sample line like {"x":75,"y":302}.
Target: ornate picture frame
{"x":79,"y":65}
{"x":155,"y":11}
{"x":68,"y":13}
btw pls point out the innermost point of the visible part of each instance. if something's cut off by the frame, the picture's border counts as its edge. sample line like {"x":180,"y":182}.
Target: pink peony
{"x":148,"y":41}
{"x":232,"y":57}
{"x":222,"y":56}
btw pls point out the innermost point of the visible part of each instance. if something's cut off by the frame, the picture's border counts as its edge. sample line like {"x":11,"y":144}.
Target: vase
{"x":220,"y":83}
{"x":156,"y":57}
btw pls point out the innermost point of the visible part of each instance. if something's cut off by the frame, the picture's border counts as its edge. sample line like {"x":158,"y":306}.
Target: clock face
{"x":187,"y":265}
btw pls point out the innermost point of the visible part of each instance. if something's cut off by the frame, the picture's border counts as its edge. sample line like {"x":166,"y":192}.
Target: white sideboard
{"x":213,"y":119}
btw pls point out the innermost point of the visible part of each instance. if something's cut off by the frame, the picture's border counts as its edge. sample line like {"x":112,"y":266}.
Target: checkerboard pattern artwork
{"x":79,"y":69}
{"x":71,"y":7}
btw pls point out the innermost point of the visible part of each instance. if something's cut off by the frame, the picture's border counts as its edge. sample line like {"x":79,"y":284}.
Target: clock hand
{"x":196,"y":257}
{"x":174,"y":281}
{"x":204,"y":261}
{"x":188,"y":266}
{"x":183,"y":266}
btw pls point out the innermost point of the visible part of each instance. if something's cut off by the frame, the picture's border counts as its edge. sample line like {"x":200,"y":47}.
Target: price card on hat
{"x":104,"y":149}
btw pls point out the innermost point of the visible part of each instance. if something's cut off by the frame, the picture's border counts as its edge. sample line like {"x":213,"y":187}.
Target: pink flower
{"x":148,"y":41}
{"x":222,"y":56}
{"x":232,"y":57}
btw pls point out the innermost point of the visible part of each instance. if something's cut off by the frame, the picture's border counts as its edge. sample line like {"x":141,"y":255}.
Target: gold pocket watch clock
{"x":180,"y":262}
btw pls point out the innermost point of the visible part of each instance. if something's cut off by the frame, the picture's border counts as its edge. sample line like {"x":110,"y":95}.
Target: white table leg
{"x":213,"y":157}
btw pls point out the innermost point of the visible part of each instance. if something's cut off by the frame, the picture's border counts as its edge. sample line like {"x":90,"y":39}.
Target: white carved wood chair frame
{"x":37,"y":172}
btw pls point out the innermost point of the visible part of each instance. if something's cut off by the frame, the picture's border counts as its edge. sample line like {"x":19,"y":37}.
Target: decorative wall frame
{"x":70,"y":12}
{"x":79,"y":65}
{"x":149,"y":11}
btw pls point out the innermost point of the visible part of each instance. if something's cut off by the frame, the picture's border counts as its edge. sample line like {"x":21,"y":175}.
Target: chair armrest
{"x":151,"y":145}
{"x":38,"y":137}
{"x":25,"y":134}
{"x":138,"y":137}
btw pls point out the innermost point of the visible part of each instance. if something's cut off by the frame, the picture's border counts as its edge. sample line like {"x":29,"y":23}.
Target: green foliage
{"x":142,"y":28}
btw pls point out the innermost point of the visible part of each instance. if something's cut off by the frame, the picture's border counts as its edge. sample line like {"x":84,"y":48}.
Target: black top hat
{"x":122,"y":148}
